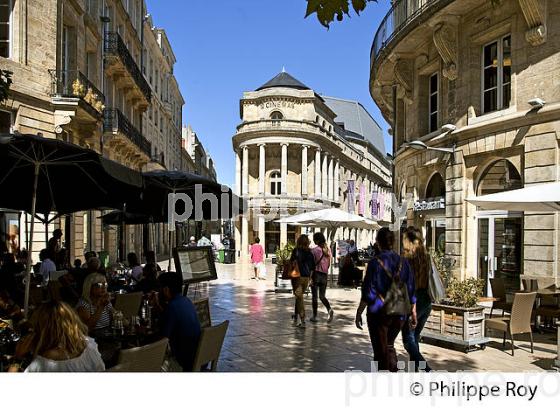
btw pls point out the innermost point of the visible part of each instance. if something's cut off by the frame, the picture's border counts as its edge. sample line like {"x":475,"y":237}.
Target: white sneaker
{"x":331,"y":313}
{"x":295,"y":320}
{"x":301,"y":324}
{"x":313,"y":319}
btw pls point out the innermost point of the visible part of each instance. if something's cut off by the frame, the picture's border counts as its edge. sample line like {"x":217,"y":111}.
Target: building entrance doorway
{"x":499,"y":253}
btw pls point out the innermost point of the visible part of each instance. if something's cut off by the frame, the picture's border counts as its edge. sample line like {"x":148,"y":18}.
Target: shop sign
{"x":429,"y":205}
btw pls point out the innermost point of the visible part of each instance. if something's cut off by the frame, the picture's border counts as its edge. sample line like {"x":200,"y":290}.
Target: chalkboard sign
{"x":195,"y":263}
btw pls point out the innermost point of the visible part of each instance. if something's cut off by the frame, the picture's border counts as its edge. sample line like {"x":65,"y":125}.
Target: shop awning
{"x":534,"y":198}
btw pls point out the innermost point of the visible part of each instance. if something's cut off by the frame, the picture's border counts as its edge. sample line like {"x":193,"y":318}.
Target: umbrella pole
{"x":29,"y":252}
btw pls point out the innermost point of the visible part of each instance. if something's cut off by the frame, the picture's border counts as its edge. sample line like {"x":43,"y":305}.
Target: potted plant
{"x":283,"y":255}
{"x":458,"y":318}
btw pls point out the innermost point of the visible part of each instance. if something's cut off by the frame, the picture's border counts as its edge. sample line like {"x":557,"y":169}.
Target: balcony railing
{"x":74,"y":84}
{"x":402,"y":13}
{"x":115,"y":47}
{"x":115,"y":121}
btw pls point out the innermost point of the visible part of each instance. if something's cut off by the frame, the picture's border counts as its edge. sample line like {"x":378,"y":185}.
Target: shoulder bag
{"x":291,"y":269}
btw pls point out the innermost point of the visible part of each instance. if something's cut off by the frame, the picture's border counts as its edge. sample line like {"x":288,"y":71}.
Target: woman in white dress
{"x":59,"y":342}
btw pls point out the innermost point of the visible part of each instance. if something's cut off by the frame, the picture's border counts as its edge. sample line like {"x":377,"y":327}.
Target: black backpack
{"x":397,"y":302}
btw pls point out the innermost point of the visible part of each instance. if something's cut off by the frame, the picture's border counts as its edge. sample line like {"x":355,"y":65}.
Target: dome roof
{"x":284,"y":80}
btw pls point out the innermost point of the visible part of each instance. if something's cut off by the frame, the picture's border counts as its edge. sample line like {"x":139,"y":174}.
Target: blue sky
{"x":226,"y":47}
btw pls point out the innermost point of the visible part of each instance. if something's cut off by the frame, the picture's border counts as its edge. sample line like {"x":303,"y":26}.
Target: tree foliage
{"x":5,"y":83}
{"x":328,"y":10}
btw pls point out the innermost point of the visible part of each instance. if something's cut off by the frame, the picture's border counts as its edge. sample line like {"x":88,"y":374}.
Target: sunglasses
{"x":100,"y":285}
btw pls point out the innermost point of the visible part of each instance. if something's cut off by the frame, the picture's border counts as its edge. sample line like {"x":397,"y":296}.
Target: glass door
{"x":499,"y":251}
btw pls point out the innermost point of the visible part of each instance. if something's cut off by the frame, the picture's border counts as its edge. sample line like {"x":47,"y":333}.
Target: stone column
{"x":283,"y":234}
{"x":262,"y":233}
{"x":337,"y":181}
{"x":317,"y":172}
{"x":304,"y":170}
{"x":331,"y":178}
{"x":325,"y":176}
{"x":244,"y":236}
{"x":245,"y":172}
{"x":238,"y":246}
{"x":237,"y":173}
{"x":284,"y":171}
{"x":262,"y":168}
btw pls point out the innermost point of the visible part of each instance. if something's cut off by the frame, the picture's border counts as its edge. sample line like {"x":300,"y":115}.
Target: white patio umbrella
{"x":331,"y":218}
{"x":534,"y":198}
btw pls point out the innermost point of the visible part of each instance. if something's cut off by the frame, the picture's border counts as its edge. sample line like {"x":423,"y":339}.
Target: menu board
{"x":195,"y":263}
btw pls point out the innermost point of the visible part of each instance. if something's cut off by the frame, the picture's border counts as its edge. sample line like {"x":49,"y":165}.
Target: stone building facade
{"x":297,"y":151}
{"x":462,"y":73}
{"x":78,"y":75}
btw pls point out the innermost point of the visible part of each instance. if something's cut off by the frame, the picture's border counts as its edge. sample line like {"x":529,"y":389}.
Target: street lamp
{"x":421,"y":146}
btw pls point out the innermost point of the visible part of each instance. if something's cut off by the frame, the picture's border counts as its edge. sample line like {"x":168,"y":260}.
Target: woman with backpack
{"x":419,"y":260}
{"x":319,"y":277}
{"x":388,"y":294}
{"x":305,"y":263}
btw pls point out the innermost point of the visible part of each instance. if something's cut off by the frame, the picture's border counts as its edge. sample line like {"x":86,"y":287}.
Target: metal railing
{"x":114,"y":46}
{"x":115,"y":121}
{"x":402,"y":12}
{"x":74,"y":84}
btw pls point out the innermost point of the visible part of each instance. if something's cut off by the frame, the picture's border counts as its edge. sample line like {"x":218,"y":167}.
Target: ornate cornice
{"x":445,"y":40}
{"x":536,"y":35}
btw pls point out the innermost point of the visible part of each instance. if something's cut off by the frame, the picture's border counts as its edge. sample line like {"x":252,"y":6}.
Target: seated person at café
{"x":59,"y":342}
{"x":47,"y":265}
{"x":151,"y":258}
{"x":179,"y":321}
{"x":349,"y":275}
{"x":149,"y":282}
{"x":93,"y":266}
{"x":8,"y":271}
{"x":94,"y":307}
{"x":8,"y":307}
{"x":134,"y":265}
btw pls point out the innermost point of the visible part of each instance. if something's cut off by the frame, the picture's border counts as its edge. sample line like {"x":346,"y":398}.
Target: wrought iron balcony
{"x":116,"y":48}
{"x":74,"y":84}
{"x":116,"y":122}
{"x":399,"y":17}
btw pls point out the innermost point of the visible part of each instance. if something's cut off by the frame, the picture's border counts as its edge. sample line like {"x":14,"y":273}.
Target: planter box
{"x":462,"y":326}
{"x":281,"y":285}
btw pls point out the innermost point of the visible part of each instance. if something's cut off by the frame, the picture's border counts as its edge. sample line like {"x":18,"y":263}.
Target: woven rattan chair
{"x":499,"y":292}
{"x":210,"y":346}
{"x":147,"y":358}
{"x":129,"y":303}
{"x":520,"y":320}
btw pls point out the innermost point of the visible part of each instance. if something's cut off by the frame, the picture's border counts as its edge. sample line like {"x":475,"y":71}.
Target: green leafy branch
{"x":5,"y":83}
{"x":328,"y":10}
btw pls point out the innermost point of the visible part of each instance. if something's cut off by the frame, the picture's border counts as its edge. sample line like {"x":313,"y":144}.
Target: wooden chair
{"x":129,"y":303}
{"x":520,"y":320}
{"x":530,"y":285}
{"x":499,"y":292}
{"x":210,"y":346}
{"x":147,"y":358}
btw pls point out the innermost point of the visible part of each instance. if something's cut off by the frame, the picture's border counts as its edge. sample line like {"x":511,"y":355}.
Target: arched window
{"x":436,"y":187}
{"x":276,"y":116}
{"x":275,"y":183}
{"x":500,"y":176}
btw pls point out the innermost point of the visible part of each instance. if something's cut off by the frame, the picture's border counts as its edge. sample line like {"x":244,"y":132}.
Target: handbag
{"x":291,"y":270}
{"x":436,"y":289}
{"x":397,"y":302}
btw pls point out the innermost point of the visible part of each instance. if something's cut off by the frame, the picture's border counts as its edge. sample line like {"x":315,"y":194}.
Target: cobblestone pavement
{"x":261,"y":338}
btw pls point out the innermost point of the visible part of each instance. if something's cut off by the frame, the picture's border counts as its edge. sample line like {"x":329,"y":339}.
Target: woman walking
{"x":322,"y":259}
{"x":257,"y":259}
{"x":304,"y":258}
{"x":419,"y":260}
{"x":385,"y":270}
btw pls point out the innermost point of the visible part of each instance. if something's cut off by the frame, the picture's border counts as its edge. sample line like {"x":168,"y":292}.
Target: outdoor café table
{"x":111,"y":341}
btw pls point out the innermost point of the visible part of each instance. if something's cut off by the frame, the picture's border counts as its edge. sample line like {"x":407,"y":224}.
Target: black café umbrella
{"x":64,"y":177}
{"x":159,"y":184}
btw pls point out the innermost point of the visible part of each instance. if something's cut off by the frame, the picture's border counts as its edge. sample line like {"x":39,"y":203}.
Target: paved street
{"x":260,"y":337}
